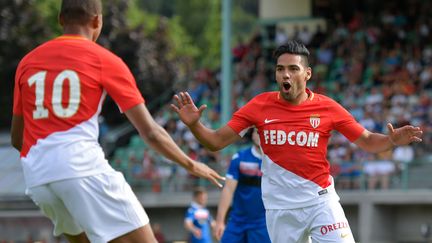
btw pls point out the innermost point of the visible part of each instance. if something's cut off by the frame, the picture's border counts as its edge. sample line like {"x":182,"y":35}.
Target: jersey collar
{"x":196,"y":205}
{"x":71,"y":37}
{"x":311,"y":95}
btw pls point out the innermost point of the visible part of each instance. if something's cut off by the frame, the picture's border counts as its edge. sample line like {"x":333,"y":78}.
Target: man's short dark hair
{"x":198,"y":191}
{"x":80,"y":11}
{"x":249,"y":133}
{"x":293,"y":47}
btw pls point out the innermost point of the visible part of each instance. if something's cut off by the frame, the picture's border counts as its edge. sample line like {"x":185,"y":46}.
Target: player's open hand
{"x":202,"y":170}
{"x":186,"y":109}
{"x":219,"y":230}
{"x":197,"y":233}
{"x":404,"y":135}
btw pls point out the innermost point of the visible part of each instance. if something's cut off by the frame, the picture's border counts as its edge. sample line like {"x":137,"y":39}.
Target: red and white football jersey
{"x":294,"y":141}
{"x":59,"y":90}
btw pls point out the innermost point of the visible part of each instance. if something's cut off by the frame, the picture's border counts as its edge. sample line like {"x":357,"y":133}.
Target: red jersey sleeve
{"x":119,"y":82}
{"x":345,"y":123}
{"x":243,"y":118}
{"x":17,"y":102}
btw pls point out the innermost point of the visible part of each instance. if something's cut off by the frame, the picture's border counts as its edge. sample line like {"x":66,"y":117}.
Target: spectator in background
{"x":103,"y":128}
{"x":198,"y":220}
{"x":350,"y":172}
{"x":295,"y":35}
{"x":239,"y":50}
{"x":403,"y":155}
{"x":280,"y":36}
{"x":160,"y":237}
{"x":379,"y":170}
{"x":318,"y":37}
{"x":246,"y":223}
{"x":305,"y":35}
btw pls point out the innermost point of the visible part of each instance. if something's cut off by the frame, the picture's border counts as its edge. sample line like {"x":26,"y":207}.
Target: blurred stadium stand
{"x":11,"y":175}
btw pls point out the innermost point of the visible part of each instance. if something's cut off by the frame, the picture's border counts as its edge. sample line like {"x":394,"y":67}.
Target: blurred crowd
{"x":378,"y":66}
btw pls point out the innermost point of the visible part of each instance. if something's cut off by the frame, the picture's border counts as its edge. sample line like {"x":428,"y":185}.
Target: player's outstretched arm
{"x":223,"y":206}
{"x":376,"y":142}
{"x":213,"y":140}
{"x":162,"y":142}
{"x":17,"y":131}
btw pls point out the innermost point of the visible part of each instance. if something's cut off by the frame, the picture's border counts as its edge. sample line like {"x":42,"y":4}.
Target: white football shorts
{"x":321,"y":223}
{"x":103,"y":206}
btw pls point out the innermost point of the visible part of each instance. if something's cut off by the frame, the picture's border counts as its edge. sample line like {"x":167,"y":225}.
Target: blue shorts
{"x":241,"y":233}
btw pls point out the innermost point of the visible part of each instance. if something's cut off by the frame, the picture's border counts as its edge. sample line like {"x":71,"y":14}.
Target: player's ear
{"x":96,"y":21}
{"x":308,"y":73}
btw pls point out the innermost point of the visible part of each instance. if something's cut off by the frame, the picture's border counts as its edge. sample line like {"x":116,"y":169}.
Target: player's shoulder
{"x":323,"y":99}
{"x":267,"y":95}
{"x":110,"y":58}
{"x":104,"y":53}
{"x":264,"y":98}
{"x":85,"y":46}
{"x":191,"y":209}
{"x":33,"y":53}
{"x":242,"y":153}
{"x":235,"y":156}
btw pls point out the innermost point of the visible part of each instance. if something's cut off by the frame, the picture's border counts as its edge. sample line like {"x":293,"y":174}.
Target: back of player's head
{"x":198,"y":191}
{"x":293,"y":47}
{"x":79,"y":11}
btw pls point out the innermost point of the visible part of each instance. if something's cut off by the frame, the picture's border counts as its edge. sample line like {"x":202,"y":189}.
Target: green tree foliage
{"x":202,"y":22}
{"x":212,"y":36}
{"x":181,"y":42}
{"x":194,"y":16}
{"x":155,"y":48}
{"x":144,"y":43}
{"x":48,"y":9}
{"x":159,"y":50}
{"x":21,"y":29}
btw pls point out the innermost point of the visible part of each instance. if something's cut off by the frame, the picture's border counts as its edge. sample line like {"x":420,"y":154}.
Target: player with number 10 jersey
{"x":60,"y":106}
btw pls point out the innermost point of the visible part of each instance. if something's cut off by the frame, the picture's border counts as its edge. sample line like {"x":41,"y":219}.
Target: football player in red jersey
{"x":59,"y":90}
{"x":294,"y":125}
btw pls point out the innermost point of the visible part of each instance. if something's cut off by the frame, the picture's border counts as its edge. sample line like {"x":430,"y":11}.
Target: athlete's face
{"x":201,"y":199}
{"x":291,"y":77}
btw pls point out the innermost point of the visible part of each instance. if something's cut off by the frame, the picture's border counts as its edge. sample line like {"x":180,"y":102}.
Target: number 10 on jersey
{"x":39,"y":79}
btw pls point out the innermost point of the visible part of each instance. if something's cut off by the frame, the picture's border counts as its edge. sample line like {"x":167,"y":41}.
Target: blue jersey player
{"x":198,"y":220}
{"x":246,"y":223}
